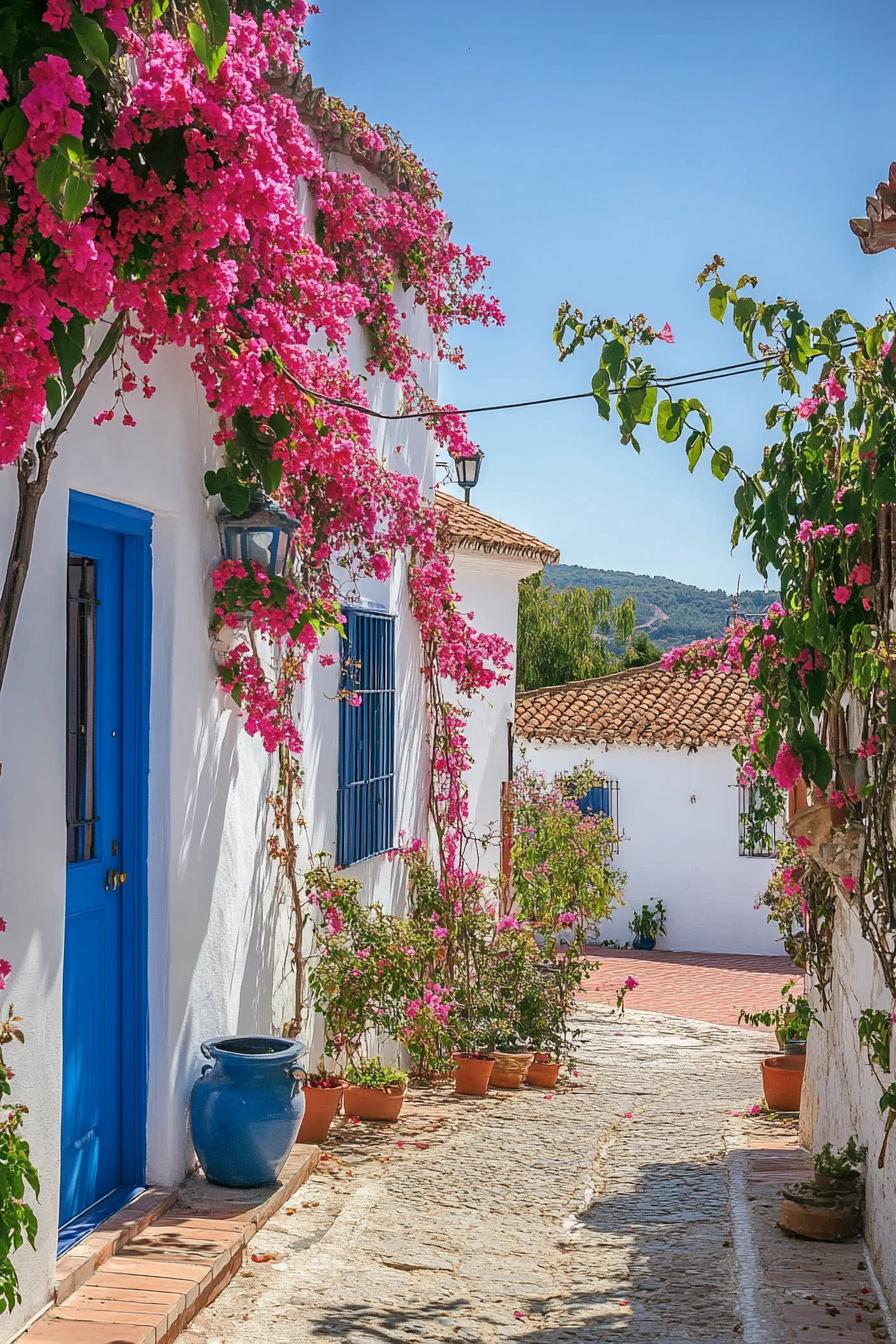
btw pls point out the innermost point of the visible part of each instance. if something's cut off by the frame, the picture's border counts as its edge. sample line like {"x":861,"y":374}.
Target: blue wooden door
{"x":93,"y":987}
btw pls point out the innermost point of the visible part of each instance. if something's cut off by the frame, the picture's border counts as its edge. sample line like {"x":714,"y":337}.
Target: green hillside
{"x":672,"y":613}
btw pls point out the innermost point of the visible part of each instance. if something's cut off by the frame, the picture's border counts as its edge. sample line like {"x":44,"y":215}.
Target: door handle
{"x":115,"y":879}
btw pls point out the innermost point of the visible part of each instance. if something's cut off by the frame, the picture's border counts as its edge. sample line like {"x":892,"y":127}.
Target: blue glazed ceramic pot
{"x":643,"y":944}
{"x":246,"y":1108}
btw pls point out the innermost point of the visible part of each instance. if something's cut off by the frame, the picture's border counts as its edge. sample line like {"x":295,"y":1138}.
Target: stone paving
{"x":593,"y":1214}
{"x":704,"y":986}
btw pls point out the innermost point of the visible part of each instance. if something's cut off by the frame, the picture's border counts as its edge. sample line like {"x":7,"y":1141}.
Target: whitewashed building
{"x":664,"y":743}
{"x":143,"y":911}
{"x":490,"y":559}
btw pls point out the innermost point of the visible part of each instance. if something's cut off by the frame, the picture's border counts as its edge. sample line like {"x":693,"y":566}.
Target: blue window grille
{"x":602,"y":800}
{"x":365,"y":804}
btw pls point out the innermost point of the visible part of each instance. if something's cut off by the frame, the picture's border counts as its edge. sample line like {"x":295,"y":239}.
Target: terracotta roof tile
{"x":642,"y":705}
{"x":877,"y":231}
{"x":462,"y":525}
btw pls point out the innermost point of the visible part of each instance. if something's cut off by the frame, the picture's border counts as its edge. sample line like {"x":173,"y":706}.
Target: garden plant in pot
{"x":374,"y":1090}
{"x":790,"y":1020}
{"x":828,"y":1208}
{"x":782,"y":1075}
{"x":648,"y":924}
{"x":323,"y":1097}
{"x":246,"y":1108}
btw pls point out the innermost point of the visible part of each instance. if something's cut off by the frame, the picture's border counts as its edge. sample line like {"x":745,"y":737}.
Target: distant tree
{"x":642,"y":650}
{"x":562,"y":635}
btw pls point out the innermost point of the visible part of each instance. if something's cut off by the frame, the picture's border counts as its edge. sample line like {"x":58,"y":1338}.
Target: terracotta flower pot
{"x":543,"y":1073}
{"x":816,"y":823}
{"x":321,"y":1105}
{"x":511,"y":1067}
{"x":782,"y":1081}
{"x":471,"y":1074}
{"x":373,"y":1103}
{"x":819,"y":1214}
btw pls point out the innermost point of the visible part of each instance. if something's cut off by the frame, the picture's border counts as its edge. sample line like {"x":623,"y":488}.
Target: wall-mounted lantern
{"x":467,"y":470}
{"x":262,"y":534}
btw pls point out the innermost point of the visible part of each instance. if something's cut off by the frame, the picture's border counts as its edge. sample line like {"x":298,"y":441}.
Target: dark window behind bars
{"x":80,"y":710}
{"x":756,"y":841}
{"x":603,"y":799}
{"x":365,"y":822}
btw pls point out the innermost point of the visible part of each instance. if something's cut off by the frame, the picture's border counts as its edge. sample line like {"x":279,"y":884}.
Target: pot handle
{"x":206,"y":1068}
{"x":298,"y":1075}
{"x":204,"y":1050}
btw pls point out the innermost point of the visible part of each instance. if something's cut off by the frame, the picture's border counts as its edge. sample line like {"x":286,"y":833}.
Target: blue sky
{"x":602,"y":153}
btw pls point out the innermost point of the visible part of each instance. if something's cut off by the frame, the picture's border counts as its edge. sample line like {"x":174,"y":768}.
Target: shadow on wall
{"x":222,"y":907}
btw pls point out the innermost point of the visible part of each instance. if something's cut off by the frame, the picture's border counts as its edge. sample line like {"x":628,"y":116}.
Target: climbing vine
{"x":819,"y":513}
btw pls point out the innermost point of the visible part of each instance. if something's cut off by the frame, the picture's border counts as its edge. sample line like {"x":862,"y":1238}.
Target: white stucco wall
{"x":678,"y":814}
{"x":489,"y":588}
{"x":218,"y":958}
{"x":840,"y":1092}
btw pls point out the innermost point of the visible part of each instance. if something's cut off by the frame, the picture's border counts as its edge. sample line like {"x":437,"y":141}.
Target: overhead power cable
{"x":664,"y":384}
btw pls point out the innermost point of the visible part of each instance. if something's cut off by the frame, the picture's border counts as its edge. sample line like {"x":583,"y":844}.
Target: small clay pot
{"x":321,"y":1106}
{"x":543,"y":1073}
{"x":471,"y":1074}
{"x":820,"y":1215}
{"x":511,"y":1067}
{"x":373,"y":1103}
{"x":782,"y":1081}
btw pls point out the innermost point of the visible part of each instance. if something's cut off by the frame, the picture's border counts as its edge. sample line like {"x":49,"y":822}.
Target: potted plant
{"x":546,"y":1025}
{"x":512,"y":1061}
{"x":648,"y":924}
{"x":828,"y":1208}
{"x":323,"y":1097}
{"x":374,"y":1090}
{"x":790,"y":1021}
{"x":472,"y":1070}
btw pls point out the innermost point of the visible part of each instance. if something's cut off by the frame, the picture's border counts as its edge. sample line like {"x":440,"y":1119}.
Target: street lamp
{"x":263,"y":535}
{"x":467,"y":470}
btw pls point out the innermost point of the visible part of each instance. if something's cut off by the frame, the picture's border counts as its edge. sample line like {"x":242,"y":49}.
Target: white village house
{"x":143,"y":911}
{"x":664,"y":743}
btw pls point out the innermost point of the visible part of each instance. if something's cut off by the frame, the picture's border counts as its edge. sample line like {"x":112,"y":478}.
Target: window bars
{"x":757,"y":839}
{"x":365,"y":805}
{"x":603,"y":800}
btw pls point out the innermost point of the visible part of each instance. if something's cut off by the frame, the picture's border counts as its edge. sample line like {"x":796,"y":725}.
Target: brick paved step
{"x":170,"y":1257}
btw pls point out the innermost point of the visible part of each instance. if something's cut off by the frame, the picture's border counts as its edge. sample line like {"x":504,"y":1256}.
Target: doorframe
{"x":134,"y":526}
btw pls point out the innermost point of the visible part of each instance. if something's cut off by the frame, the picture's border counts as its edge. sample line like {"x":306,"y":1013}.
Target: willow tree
{"x":564,"y":635}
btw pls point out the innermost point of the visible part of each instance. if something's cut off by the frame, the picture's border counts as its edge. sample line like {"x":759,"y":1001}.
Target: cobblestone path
{"x":586,"y":1216}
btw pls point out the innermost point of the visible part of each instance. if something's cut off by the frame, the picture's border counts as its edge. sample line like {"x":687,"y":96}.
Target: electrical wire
{"x":664,"y":384}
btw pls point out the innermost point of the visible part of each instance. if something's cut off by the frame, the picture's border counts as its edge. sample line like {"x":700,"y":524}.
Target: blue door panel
{"x":93,"y":982}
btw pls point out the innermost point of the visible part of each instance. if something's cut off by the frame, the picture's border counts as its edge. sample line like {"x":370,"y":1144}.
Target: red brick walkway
{"x":704,"y":986}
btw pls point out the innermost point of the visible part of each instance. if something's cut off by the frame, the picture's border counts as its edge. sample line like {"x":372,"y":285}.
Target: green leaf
{"x":643,"y":402}
{"x":199,"y":42}
{"x":744,"y":309}
{"x":13,"y":128}
{"x":74,"y":198}
{"x":236,"y":497}
{"x":92,"y":39}
{"x":600,"y":385}
{"x":53,"y":394}
{"x":281,"y":426}
{"x":613,"y":357}
{"x":217,"y":19}
{"x":670,"y":421}
{"x":718,"y":301}
{"x":72,"y":147}
{"x":212,"y":482}
{"x":271,"y":472}
{"x":68,"y":344}
{"x":51,"y":175}
{"x":722,"y":462}
{"x":694,"y":448}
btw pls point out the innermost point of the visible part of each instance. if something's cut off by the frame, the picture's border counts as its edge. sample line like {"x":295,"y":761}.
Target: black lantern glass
{"x":467,"y":471}
{"x":262,"y":534}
